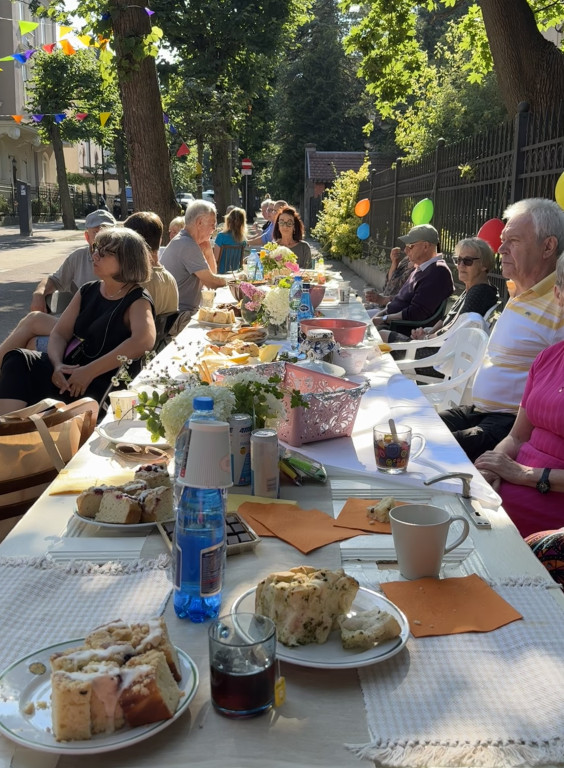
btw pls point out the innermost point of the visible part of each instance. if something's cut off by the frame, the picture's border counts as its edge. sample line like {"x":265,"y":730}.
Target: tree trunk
{"x":149,"y":166}
{"x":221,"y":175}
{"x":64,"y":191}
{"x":199,"y":176}
{"x":528,"y":67}
{"x":119,"y":154}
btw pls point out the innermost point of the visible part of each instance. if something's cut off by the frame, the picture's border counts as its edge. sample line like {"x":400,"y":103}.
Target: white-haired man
{"x":532,"y":239}
{"x":183,"y":256}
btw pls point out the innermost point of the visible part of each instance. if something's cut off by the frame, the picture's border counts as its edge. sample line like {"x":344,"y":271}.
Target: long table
{"x":324,"y":710}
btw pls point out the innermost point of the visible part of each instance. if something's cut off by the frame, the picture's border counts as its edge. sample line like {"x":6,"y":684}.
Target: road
{"x":21,"y":268}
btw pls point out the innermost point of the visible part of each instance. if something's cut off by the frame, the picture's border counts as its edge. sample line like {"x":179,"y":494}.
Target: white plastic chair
{"x":466,"y":320}
{"x":458,"y":359}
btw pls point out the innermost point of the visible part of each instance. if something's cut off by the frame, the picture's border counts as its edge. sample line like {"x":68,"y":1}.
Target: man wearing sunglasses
{"x":427,"y":287}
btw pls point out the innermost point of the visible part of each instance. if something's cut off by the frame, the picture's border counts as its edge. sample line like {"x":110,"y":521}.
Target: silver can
{"x":240,"y":428}
{"x":265,"y":475}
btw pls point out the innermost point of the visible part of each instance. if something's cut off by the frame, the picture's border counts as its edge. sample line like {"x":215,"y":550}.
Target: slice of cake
{"x":153,"y":634}
{"x":149,"y":692}
{"x":157,"y":504}
{"x":88,"y":502}
{"x":119,"y":507}
{"x":366,"y":628}
{"x":304,"y":602}
{"x":155,"y":475}
{"x":220,"y":316}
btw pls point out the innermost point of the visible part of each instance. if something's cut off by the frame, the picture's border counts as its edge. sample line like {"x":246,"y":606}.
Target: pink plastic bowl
{"x":317,"y":292}
{"x":347,"y":332}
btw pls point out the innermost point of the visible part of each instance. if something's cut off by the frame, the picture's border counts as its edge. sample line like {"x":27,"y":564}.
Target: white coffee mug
{"x":420,"y":533}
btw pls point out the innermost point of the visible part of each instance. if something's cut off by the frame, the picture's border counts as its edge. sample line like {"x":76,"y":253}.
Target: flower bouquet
{"x":270,"y":307}
{"x":277,"y":260}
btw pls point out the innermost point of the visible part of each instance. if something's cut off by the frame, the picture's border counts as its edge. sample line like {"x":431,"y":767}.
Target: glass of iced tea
{"x":242,"y":664}
{"x":393,"y":450}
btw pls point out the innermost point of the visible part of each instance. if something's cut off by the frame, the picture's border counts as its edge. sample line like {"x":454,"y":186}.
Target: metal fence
{"x":45,"y":202}
{"x":469,"y":182}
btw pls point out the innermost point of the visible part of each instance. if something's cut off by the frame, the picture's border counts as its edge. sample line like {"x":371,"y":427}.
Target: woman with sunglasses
{"x":289,"y":231}
{"x":107,"y":319}
{"x":474,"y":259}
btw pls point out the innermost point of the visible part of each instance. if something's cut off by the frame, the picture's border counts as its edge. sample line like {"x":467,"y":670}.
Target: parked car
{"x":184,"y":198}
{"x":208,"y":195}
{"x":116,"y":208}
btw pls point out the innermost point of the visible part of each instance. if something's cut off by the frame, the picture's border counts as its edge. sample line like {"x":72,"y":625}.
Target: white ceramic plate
{"x":322,"y":367}
{"x":129,"y":431}
{"x":20,"y":688}
{"x":117,"y":526}
{"x":332,"y":655}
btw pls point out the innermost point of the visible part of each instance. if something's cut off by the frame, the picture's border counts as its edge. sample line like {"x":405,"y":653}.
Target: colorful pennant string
{"x":172,"y":129}
{"x":81,"y":116}
{"x":37,"y":118}
{"x":182,"y":150}
{"x":49,"y":48}
{"x":20,"y":57}
{"x":67,"y":47}
{"x":104,"y":118}
{"x":149,"y":12}
{"x":18,"y":118}
{"x":166,"y":118}
{"x":64,"y":31}
{"x":60,"y":117}
{"x":27,"y":26}
{"x":7,"y":58}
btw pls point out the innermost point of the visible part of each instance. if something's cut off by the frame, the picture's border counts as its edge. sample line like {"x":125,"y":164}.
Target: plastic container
{"x":347,"y":332}
{"x":296,"y":290}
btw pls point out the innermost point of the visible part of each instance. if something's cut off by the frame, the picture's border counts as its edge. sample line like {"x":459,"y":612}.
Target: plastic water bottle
{"x":199,"y":547}
{"x":202,"y":411}
{"x":295,"y":301}
{"x":305,"y":312}
{"x":259,"y":270}
{"x":254,"y":266}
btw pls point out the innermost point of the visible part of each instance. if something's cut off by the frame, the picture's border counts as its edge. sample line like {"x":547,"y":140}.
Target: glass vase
{"x":276,"y":331}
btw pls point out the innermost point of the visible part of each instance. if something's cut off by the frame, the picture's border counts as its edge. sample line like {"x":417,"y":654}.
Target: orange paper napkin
{"x":236,"y":502}
{"x":304,"y":529}
{"x":355,"y":515}
{"x":450,"y":606}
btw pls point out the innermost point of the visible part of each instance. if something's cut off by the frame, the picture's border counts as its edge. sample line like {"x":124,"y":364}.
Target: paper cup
{"x":123,"y":404}
{"x":207,"y":297}
{"x":209,"y":455}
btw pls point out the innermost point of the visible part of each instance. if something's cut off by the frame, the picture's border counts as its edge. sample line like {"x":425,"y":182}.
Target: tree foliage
{"x":318,"y":99}
{"x":397,"y":67}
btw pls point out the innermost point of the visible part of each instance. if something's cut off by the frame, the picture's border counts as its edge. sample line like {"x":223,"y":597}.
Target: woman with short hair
{"x":107,"y":319}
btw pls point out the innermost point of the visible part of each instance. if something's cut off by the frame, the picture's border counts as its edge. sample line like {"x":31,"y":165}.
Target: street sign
{"x":246,"y":167}
{"x":246,"y":172}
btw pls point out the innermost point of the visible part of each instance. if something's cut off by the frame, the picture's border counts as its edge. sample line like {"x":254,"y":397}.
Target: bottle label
{"x":211,"y":570}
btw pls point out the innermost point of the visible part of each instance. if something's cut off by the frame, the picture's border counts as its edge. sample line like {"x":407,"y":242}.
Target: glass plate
{"x":332,"y":655}
{"x":131,"y":431}
{"x":19,"y":688}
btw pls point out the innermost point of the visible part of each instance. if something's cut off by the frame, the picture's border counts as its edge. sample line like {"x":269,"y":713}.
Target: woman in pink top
{"x":527,"y":467}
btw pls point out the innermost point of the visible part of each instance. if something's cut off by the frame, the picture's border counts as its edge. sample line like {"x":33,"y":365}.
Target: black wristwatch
{"x":543,"y":486}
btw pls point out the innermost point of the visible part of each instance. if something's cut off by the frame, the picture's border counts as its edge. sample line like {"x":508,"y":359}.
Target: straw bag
{"x":36,"y":443}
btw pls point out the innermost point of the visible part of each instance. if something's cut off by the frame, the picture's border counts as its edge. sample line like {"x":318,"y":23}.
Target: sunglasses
{"x":285,"y":223}
{"x":102,"y":252}
{"x":409,"y":246}
{"x":466,"y":260}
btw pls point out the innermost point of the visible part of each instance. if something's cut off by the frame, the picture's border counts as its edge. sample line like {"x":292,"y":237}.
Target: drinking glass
{"x":393,"y":451}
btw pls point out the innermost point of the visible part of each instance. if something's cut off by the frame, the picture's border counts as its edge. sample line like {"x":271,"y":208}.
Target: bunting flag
{"x":18,"y":118}
{"x":85,"y":40}
{"x":27,"y":26}
{"x":199,"y":169}
{"x":172,"y":129}
{"x":166,"y":118}
{"x":64,"y":31}
{"x":104,"y":118}
{"x":182,"y":150}
{"x":102,"y":41}
{"x":29,"y":53}
{"x":37,"y":118}
{"x":7,"y":58}
{"x":20,"y":57}
{"x":149,"y":12}
{"x":81,"y":116}
{"x":60,"y":117}
{"x":67,"y":47}
{"x":49,"y":48}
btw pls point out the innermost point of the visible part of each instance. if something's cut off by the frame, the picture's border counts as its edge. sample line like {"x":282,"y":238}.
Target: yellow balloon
{"x":559,"y":191}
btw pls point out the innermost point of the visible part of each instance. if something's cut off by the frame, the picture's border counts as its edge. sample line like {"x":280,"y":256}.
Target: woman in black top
{"x":106,"y":319}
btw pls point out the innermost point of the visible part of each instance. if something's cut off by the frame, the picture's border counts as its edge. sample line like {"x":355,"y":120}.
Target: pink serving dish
{"x":347,"y":332}
{"x":333,"y":402}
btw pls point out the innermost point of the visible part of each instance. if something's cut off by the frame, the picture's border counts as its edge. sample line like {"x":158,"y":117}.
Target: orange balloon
{"x":362,"y":207}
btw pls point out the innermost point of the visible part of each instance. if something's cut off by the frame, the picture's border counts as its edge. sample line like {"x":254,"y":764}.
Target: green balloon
{"x":423,"y":212}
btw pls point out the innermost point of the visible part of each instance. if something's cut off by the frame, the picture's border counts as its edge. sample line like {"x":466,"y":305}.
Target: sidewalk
{"x":43,"y":232}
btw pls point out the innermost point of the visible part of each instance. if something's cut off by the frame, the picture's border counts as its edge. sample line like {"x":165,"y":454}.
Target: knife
{"x":472,"y":507}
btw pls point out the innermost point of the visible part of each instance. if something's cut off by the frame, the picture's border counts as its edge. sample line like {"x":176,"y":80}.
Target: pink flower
{"x":292,"y":267}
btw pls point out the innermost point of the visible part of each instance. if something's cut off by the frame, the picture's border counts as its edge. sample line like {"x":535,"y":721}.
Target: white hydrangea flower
{"x":277,"y":305}
{"x":176,"y":410}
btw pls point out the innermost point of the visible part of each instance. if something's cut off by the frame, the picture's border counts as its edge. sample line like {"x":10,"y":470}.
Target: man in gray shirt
{"x":183,"y":256}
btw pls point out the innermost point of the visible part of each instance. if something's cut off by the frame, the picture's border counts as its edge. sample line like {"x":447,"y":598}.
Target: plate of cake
{"x":325,"y":620}
{"x":215,"y":318}
{"x":141,"y":503}
{"x":118,"y":686}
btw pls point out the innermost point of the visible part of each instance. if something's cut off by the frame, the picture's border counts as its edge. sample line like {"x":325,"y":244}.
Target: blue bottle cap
{"x":203,"y":403}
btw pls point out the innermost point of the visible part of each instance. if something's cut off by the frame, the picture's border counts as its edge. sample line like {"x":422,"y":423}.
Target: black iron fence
{"x":469,"y":182}
{"x":46,"y":202}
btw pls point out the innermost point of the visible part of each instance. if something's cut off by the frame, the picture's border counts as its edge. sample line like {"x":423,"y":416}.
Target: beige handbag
{"x":36,"y":443}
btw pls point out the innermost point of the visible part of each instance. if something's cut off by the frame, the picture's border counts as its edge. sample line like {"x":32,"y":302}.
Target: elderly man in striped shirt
{"x":532,"y":240}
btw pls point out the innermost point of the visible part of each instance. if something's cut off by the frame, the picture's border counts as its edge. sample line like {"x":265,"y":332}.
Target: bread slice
{"x":366,"y":628}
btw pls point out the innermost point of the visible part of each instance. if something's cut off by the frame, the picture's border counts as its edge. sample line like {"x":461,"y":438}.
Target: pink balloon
{"x":491,"y":233}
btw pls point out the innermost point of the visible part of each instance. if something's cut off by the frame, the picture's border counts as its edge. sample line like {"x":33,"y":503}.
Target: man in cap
{"x":34,"y":329}
{"x":429,"y":284}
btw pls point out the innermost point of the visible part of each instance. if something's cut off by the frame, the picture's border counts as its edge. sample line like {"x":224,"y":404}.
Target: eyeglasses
{"x":409,"y":246}
{"x":466,"y":260}
{"x":102,"y":252}
{"x":285,"y":222}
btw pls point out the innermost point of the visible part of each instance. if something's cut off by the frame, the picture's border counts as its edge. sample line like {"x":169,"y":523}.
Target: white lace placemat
{"x":42,"y":602}
{"x":490,"y":699}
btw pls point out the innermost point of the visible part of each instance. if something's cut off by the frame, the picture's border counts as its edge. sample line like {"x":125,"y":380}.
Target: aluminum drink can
{"x":265,"y":475}
{"x":240,"y":428}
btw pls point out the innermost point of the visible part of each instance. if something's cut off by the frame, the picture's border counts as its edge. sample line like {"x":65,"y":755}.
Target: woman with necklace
{"x":527,"y":467}
{"x":289,"y":231}
{"x":107,"y":319}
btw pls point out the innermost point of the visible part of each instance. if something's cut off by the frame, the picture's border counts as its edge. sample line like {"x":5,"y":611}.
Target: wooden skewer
{"x":164,"y":536}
